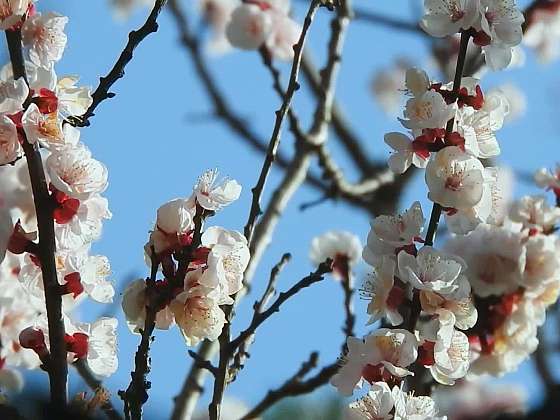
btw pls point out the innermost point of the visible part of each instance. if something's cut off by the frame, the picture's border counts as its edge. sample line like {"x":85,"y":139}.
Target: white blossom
{"x":376,"y":405}
{"x":427,"y":111}
{"x":385,"y":296}
{"x":10,"y":148}
{"x":344,"y":248}
{"x":74,"y":172}
{"x":431,"y":270}
{"x":102,"y":346}
{"x":447,"y":17}
{"x":455,"y":179}
{"x":44,"y":34}
{"x":213,"y":195}
{"x":11,"y":11}
{"x":404,"y":154}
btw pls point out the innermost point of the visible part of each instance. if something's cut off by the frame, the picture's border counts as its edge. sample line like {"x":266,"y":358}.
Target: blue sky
{"x":155,"y":138}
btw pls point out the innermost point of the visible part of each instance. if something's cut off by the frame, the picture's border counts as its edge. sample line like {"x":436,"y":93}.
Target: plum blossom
{"x":384,"y":353}
{"x":10,"y":148}
{"x":447,"y":17}
{"x":13,"y":94}
{"x":501,"y":20}
{"x":213,"y":195}
{"x":264,"y":22}
{"x":94,"y":271}
{"x":427,"y":111}
{"x":376,"y":405}
{"x":75,"y":173}
{"x":385,"y":296}
{"x":455,"y":179}
{"x":134,"y":307}
{"x":217,"y":14}
{"x":417,"y":81}
{"x":495,"y":258}
{"x":409,"y":407}
{"x":431,"y":270}
{"x":344,"y":248}
{"x":45,"y":37}
{"x":228,"y":258}
{"x":11,"y":11}
{"x":46,"y":129}
{"x":543,"y":32}
{"x":198,"y":318}
{"x":102,"y":346}
{"x":404,"y":153}
{"x":451,"y":350}
{"x":534,"y":213}
{"x":173,"y":225}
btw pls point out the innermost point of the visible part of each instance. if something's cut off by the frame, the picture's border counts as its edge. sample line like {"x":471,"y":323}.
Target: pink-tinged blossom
{"x":383,"y":354}
{"x":402,"y":229}
{"x":451,"y":350}
{"x":45,"y":37}
{"x":11,"y":12}
{"x":228,"y":258}
{"x":550,"y":180}
{"x":409,"y":407}
{"x":214,"y":195}
{"x":404,"y":153}
{"x":344,"y":248}
{"x":173,"y":225}
{"x":377,"y":404}
{"x":455,"y":179}
{"x":495,"y":258}
{"x":447,"y":17}
{"x":46,"y":129}
{"x":13,"y":94}
{"x":134,"y":307}
{"x":385,"y":297}
{"x":535,"y":213}
{"x":197,"y":312}
{"x":10,"y":148}
{"x":74,"y":172}
{"x":431,"y":270}
{"x":217,"y":14}
{"x":249,"y":26}
{"x":502,"y":21}
{"x":427,"y":111}
{"x":102,"y":346}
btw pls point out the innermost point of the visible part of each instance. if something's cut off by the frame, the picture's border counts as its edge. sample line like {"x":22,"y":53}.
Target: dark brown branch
{"x":117,"y":72}
{"x":293,"y":86}
{"x":295,"y":386}
{"x":348,"y":290}
{"x":461,"y":58}
{"x":260,"y":317}
{"x":58,"y":367}
{"x":95,"y":384}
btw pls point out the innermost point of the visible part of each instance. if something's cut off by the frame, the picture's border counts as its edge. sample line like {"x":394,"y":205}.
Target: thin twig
{"x":293,"y":86}
{"x":258,"y":307}
{"x":348,"y":290}
{"x":260,"y":317}
{"x":95,"y":384}
{"x":58,"y":366}
{"x":295,"y":386}
{"x":117,"y":72}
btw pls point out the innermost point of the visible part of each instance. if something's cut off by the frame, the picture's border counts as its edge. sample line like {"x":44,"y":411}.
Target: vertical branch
{"x":436,"y":208}
{"x":57,"y":367}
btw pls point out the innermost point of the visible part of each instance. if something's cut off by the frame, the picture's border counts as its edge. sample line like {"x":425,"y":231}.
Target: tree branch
{"x":117,"y":72}
{"x":57,"y":367}
{"x":95,"y":384}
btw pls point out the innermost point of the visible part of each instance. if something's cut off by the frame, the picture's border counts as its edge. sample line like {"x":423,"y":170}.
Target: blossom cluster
{"x":243,"y":24}
{"x":496,"y":25}
{"x":214,"y":273}
{"x":33,"y":113}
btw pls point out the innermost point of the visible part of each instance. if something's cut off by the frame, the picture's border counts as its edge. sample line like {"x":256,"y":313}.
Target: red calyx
{"x":73,"y":285}
{"x":200,"y":255}
{"x":47,"y":102}
{"x":482,"y":39}
{"x":426,"y":353}
{"x":409,"y":249}
{"x":263,"y":5}
{"x":450,"y":211}
{"x":20,"y":241}
{"x":396,"y":297}
{"x":65,"y":207}
{"x":77,"y":343}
